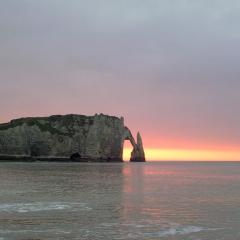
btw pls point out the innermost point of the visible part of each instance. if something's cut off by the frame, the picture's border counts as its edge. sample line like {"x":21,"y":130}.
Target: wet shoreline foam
{"x":138,"y":231}
{"x":41,"y":206}
{"x":180,"y":230}
{"x":169,"y":230}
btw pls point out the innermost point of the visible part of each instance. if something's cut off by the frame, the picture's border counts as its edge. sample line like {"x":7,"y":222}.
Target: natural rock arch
{"x":79,"y":137}
{"x":137,"y":154}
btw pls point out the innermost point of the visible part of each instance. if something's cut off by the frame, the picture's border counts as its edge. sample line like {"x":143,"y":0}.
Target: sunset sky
{"x":171,"y":68}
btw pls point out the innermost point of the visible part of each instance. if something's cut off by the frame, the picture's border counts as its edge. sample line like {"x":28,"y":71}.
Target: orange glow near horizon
{"x":154,"y":154}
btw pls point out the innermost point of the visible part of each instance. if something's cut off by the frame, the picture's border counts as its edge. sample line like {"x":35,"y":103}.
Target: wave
{"x":183,"y":230}
{"x":20,"y":231}
{"x":41,"y":206}
{"x":180,"y":231}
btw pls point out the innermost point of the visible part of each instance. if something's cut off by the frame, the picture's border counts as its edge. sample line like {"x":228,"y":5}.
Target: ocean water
{"x":164,"y":200}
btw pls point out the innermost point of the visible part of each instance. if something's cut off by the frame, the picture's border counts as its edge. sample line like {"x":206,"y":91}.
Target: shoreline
{"x":54,"y":159}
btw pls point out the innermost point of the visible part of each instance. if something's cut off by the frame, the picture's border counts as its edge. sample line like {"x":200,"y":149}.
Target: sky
{"x":170,"y":68}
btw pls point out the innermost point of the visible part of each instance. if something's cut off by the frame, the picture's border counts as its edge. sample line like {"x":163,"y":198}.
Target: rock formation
{"x":138,"y":154}
{"x":69,"y":137}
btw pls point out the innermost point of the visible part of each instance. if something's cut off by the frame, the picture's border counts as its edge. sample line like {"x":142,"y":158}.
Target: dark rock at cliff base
{"x":74,"y":137}
{"x":75,"y":157}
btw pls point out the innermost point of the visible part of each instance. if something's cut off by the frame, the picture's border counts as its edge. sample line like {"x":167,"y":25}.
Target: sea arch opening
{"x":127,"y":149}
{"x":129,"y":145}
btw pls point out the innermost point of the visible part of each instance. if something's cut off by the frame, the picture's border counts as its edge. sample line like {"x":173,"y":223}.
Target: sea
{"x":114,"y":201}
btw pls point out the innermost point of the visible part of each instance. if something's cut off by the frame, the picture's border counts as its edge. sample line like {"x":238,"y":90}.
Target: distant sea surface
{"x":108,"y":201}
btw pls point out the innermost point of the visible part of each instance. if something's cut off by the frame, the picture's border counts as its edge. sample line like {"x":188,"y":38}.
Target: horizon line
{"x":173,"y":154}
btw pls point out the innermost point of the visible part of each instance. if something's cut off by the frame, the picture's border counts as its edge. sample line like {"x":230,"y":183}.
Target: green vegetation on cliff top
{"x":45,"y":123}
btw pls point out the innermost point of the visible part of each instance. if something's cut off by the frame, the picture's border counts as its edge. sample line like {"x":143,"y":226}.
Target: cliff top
{"x":41,"y":122}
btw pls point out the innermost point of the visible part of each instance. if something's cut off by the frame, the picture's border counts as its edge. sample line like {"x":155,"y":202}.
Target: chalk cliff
{"x":75,"y":137}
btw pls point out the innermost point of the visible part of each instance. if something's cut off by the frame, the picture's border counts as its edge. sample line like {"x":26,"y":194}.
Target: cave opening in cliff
{"x":75,"y":156}
{"x":127,"y":149}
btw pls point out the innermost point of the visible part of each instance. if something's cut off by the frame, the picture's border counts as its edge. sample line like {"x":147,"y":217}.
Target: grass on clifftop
{"x":45,"y":127}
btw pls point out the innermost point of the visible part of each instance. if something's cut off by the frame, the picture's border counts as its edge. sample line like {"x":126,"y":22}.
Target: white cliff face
{"x":98,"y":137}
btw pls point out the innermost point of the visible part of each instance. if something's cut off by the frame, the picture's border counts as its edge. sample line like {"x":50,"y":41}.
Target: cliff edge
{"x":68,"y":137}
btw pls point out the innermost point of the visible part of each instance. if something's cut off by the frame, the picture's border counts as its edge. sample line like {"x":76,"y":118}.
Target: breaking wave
{"x":183,"y":230}
{"x":41,"y":206}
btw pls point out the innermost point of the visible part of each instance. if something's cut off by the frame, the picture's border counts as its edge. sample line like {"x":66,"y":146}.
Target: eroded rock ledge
{"x":68,"y":138}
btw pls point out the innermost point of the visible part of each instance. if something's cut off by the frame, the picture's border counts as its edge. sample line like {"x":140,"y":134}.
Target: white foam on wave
{"x":20,"y":231}
{"x":180,"y":231}
{"x":41,"y":206}
{"x":183,"y":230}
